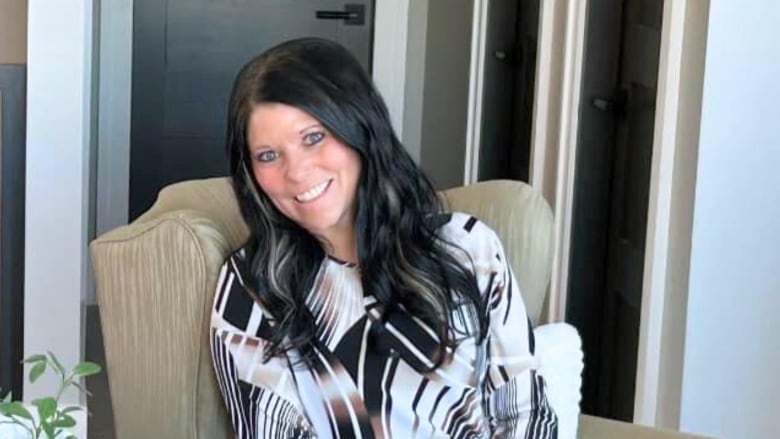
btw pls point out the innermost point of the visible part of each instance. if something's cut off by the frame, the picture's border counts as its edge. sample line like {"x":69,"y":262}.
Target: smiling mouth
{"x":313,"y":193}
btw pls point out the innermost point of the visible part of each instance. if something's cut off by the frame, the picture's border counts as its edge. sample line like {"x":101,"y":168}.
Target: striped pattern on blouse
{"x":351,"y":390}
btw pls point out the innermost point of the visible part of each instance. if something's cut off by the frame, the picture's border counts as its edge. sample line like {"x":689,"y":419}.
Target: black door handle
{"x":353,"y":14}
{"x":336,"y":15}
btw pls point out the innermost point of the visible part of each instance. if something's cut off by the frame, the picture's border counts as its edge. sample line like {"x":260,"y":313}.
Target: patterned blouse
{"x":483,"y":390}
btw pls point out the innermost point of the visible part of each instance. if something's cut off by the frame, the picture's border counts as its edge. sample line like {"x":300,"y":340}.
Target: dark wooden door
{"x":508,"y":91}
{"x":614,"y":157}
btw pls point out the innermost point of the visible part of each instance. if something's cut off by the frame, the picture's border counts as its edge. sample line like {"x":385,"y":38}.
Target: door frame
{"x":670,"y":213}
{"x":648,"y":370}
{"x":476,"y":78}
{"x":554,"y":141}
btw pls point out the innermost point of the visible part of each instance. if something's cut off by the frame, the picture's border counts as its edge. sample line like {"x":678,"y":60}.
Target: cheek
{"x":268,"y":181}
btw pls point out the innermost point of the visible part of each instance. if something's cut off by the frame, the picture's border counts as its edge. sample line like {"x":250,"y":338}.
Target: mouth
{"x":313,"y":193}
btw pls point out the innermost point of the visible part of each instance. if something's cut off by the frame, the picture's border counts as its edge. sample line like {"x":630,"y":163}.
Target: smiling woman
{"x":357,"y":308}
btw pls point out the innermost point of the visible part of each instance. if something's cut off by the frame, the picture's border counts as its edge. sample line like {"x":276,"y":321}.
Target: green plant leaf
{"x":56,"y":363}
{"x":86,"y":369}
{"x":36,"y":371}
{"x":34,"y":358}
{"x":65,"y":421}
{"x":49,"y":430}
{"x":8,"y":396}
{"x":71,"y":437}
{"x":15,"y":408}
{"x":46,"y":407}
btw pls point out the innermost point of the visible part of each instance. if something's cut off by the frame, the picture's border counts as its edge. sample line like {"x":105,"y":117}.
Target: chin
{"x":321,"y":225}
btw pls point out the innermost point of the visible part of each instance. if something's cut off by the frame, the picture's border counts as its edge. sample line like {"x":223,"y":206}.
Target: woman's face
{"x":309,"y":175}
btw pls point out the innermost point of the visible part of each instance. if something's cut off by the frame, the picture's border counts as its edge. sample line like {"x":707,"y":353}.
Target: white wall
{"x":730,"y":386}
{"x":58,"y":173}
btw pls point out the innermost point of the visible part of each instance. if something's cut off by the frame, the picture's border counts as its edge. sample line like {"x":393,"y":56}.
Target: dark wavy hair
{"x":403,"y":263}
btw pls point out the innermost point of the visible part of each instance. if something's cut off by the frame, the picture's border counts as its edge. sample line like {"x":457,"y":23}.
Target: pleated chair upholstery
{"x":156,"y":280}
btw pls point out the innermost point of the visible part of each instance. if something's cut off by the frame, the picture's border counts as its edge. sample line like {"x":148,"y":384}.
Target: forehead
{"x":274,"y":119}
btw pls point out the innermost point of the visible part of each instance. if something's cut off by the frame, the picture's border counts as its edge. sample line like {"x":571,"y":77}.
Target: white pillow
{"x":559,"y":352}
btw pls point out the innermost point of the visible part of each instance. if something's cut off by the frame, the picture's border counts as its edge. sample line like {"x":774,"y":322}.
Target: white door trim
{"x":546,"y":82}
{"x":659,"y":215}
{"x":476,"y":90}
{"x":576,"y":15}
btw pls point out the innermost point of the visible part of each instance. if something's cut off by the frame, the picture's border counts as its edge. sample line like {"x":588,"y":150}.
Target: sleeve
{"x":255,"y":412}
{"x":259,"y":396}
{"x":515,"y":400}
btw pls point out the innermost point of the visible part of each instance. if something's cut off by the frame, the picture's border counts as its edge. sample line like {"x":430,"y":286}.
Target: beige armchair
{"x":155,"y":284}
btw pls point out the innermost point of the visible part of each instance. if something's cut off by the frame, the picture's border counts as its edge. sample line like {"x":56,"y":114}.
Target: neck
{"x":341,"y":245}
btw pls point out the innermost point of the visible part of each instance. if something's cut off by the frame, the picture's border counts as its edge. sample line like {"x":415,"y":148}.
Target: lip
{"x":316,"y":197}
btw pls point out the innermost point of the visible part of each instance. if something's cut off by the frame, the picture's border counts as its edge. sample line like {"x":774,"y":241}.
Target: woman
{"x":357,"y":308}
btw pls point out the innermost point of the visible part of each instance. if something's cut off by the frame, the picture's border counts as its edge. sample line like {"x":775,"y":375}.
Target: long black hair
{"x":402,"y":260}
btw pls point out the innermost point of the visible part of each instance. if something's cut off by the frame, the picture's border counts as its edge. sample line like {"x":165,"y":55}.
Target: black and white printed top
{"x":351,"y":390}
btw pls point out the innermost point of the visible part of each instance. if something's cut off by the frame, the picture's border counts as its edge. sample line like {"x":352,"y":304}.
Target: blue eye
{"x":313,"y":138}
{"x":266,"y":156}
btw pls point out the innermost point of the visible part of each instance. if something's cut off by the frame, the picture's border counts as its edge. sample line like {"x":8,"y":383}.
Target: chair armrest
{"x":155,"y":282}
{"x":593,"y":427}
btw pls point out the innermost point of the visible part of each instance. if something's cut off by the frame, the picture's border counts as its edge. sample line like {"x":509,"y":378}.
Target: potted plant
{"x":44,"y":418}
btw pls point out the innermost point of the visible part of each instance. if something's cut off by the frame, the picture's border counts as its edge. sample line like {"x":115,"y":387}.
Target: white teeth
{"x":313,"y":193}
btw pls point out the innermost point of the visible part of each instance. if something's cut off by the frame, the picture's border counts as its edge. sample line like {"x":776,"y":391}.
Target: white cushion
{"x":559,"y":351}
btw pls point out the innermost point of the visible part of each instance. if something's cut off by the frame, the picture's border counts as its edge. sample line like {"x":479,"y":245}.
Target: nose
{"x":299,"y":166}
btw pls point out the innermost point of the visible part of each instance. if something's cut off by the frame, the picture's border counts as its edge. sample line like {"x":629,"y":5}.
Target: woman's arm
{"x":515,"y":393}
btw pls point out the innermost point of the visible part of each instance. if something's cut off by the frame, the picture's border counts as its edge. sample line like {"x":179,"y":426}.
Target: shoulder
{"x":466,"y":230}
{"x":471,"y":235}
{"x":234,"y":308}
{"x":230,"y":279}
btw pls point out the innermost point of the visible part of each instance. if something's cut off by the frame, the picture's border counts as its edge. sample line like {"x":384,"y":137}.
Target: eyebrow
{"x":309,"y":127}
{"x":301,"y":131}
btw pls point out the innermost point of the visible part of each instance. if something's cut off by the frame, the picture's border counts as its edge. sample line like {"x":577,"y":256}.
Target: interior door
{"x":590,"y":218}
{"x":634,"y":124}
{"x":507,"y":100}
{"x":614,"y":155}
{"x":500,"y":66}
{"x":186,"y":54}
